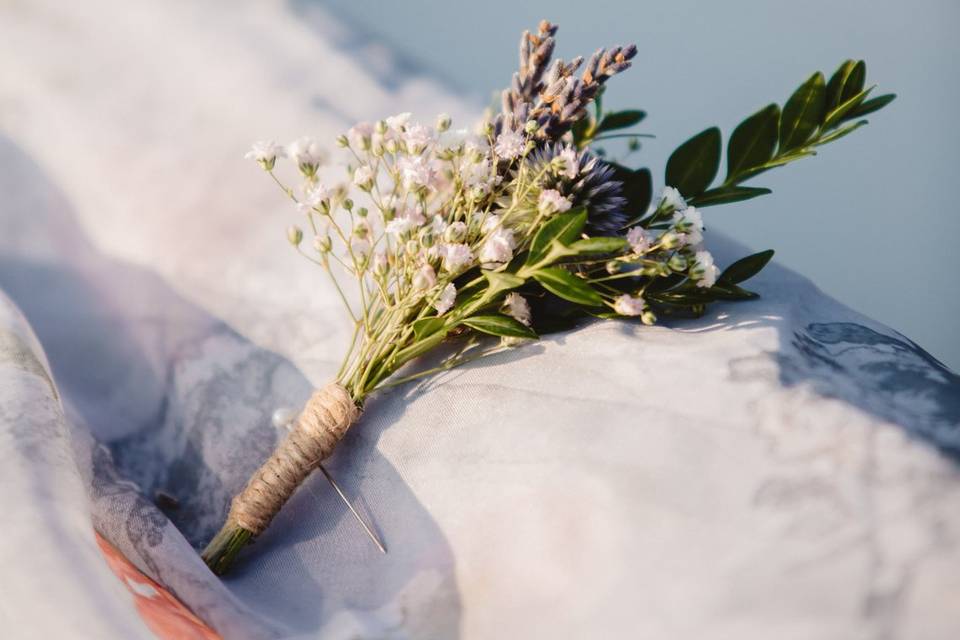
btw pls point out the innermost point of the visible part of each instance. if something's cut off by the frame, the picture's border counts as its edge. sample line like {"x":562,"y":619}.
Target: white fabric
{"x":784,"y":468}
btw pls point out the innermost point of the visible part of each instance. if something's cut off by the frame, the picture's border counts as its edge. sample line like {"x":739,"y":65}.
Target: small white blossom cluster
{"x":682,"y":242}
{"x":432,"y":206}
{"x":422,"y":205}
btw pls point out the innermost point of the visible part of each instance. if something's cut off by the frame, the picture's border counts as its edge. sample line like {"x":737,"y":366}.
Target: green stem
{"x":223,"y":549}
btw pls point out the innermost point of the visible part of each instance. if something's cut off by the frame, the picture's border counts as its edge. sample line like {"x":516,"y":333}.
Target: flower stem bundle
{"x":483,"y":239}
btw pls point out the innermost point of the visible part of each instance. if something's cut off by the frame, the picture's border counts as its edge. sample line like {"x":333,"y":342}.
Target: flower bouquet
{"x":481,"y":240}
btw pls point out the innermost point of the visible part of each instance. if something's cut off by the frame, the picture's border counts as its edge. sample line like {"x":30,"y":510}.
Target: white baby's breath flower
{"x":446,"y":299}
{"x":456,"y":257}
{"x":509,"y":145}
{"x":627,"y":305}
{"x":570,"y":163}
{"x":490,"y":223}
{"x":517,"y":307}
{"x":455,"y":232}
{"x":693,"y":217}
{"x":438,"y":225}
{"x":417,"y":172}
{"x":672,"y":198}
{"x":477,"y":175}
{"x":498,"y":247}
{"x":399,"y":121}
{"x":476,"y":145}
{"x":418,"y":138}
{"x":398,"y":226}
{"x":363,"y":177}
{"x":317,"y":193}
{"x":455,"y":139}
{"x":308,"y":153}
{"x":304,"y":209}
{"x":639,"y":239}
{"x":380,"y":262}
{"x":265,"y":152}
{"x":704,"y":271}
{"x":407,"y":220}
{"x":550,"y":201}
{"x":360,"y":247}
{"x":360,"y":134}
{"x":424,"y":278}
{"x":689,"y":225}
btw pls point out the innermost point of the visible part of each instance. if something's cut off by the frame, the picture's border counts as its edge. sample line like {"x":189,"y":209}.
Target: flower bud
{"x":295,"y":235}
{"x":342,"y":141}
{"x":455,"y":232}
{"x":360,"y":247}
{"x":361,"y":229}
{"x":531,"y":127}
{"x":347,"y":204}
{"x":413,"y":247}
{"x":424,"y":278}
{"x":613,"y":267}
{"x":677,"y":263}
{"x":381,"y":264}
{"x":391,"y":146}
{"x":426,"y":238}
{"x":322,"y":244}
{"x":362,"y":212}
{"x":648,"y":317}
{"x":381,"y":127}
{"x":669,"y":240}
{"x":443,"y":122}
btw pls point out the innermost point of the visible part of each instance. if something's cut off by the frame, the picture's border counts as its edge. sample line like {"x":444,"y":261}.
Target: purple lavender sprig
{"x":550,"y":94}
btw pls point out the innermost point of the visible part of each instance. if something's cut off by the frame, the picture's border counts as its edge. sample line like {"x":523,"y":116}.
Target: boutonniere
{"x":522,"y":225}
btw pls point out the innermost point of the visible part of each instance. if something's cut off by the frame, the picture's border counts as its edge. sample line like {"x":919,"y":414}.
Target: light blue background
{"x":872,"y":220}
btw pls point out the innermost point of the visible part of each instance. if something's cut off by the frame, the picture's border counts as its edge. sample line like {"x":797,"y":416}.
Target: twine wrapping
{"x":325,"y":418}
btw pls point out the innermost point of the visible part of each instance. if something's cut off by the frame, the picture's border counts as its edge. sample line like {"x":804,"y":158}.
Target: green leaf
{"x":580,"y":129}
{"x":841,"y":113}
{"x":599,"y":245}
{"x":564,"y":284}
{"x":693,"y":166}
{"x":803,"y":112}
{"x":621,"y":120}
{"x":752,"y":142}
{"x":724,"y":195}
{"x":871,"y":105}
{"x":418,"y":348}
{"x":427,"y":326}
{"x":565,"y":228}
{"x":637,"y":189}
{"x":837,"y":81}
{"x":731,"y":292}
{"x":839,"y":133}
{"x":745,"y":268}
{"x":854,"y":81}
{"x":686,"y":299}
{"x":501,"y":281}
{"x":500,"y":325}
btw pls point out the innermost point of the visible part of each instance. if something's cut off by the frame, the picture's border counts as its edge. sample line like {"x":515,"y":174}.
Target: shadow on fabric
{"x":184,"y":403}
